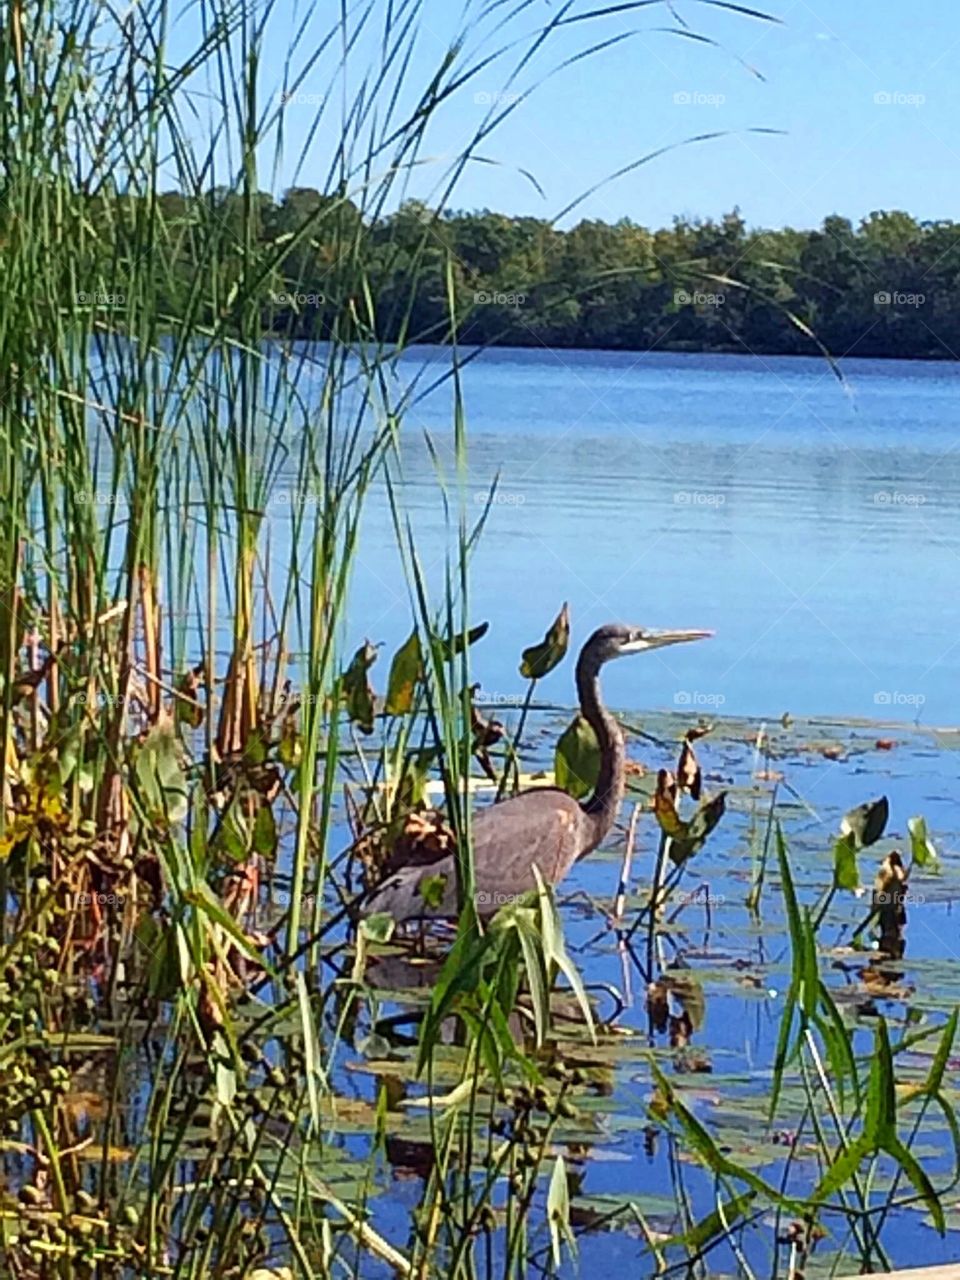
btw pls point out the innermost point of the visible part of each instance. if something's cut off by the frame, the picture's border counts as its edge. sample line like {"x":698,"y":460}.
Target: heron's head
{"x":614,"y":640}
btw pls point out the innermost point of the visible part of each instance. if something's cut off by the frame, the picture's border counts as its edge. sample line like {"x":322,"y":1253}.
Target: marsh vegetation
{"x":205,"y":1069}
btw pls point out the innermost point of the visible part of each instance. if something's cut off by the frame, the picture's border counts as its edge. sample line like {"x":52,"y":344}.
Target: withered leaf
{"x":540,"y":659}
{"x":355,"y":687}
{"x":405,"y":670}
{"x":665,"y":805}
{"x":689,"y":776}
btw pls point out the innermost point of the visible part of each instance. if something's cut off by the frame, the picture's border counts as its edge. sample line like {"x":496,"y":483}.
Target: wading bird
{"x":544,"y":828}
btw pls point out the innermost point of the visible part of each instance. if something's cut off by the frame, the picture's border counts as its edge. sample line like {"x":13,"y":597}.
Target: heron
{"x":543,"y":828}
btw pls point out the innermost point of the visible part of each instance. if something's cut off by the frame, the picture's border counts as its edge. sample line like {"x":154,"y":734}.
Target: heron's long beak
{"x":660,"y":639}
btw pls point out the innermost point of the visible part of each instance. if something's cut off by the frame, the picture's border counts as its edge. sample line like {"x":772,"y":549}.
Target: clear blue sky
{"x":844,"y":151}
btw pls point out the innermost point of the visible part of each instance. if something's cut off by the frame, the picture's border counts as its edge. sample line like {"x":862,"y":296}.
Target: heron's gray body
{"x":544,"y":828}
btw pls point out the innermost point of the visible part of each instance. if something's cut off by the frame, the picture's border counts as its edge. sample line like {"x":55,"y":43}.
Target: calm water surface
{"x":814,"y":527}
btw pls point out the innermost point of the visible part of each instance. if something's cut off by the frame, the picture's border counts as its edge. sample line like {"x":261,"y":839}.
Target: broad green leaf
{"x":160,"y":775}
{"x":265,"y":832}
{"x":540,"y":659}
{"x":846,"y":874}
{"x":921,"y":846}
{"x":405,"y":670}
{"x":432,"y":888}
{"x":692,"y":839}
{"x":577,"y":759}
{"x":378,"y":927}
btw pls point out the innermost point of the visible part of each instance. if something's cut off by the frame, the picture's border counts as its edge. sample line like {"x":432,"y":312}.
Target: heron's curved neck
{"x":604,"y":805}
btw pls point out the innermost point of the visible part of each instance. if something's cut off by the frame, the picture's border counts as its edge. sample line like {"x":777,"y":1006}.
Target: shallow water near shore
{"x":816,"y":528}
{"x":728,"y":968}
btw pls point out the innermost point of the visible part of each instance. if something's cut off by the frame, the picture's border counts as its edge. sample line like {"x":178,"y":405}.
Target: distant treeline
{"x":887,"y":287}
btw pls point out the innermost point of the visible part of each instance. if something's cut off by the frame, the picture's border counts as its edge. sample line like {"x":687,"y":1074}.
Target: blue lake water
{"x":814,"y":526}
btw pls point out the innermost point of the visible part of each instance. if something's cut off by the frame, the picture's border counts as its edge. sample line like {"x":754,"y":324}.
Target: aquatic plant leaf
{"x":540,"y":659}
{"x":451,"y":646}
{"x":558,"y":1211}
{"x":703,"y":1145}
{"x":406,"y":670}
{"x":942,"y":1056}
{"x":921,"y":846}
{"x":290,"y":749}
{"x":265,"y":832}
{"x":205,"y":900}
{"x":839,"y":1046}
{"x":537,"y":980}
{"x":355,"y":688}
{"x":784,"y":1052}
{"x":459,"y":976}
{"x":186,"y":709}
{"x":311,"y":1050}
{"x":160,"y":775}
{"x":846,"y":874}
{"x":693,"y":838}
{"x":715,"y":1224}
{"x":867,"y":822}
{"x":665,"y":805}
{"x":689,"y":774}
{"x":577,"y":759}
{"x":431,"y":889}
{"x":555,"y":950}
{"x":378,"y":927}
